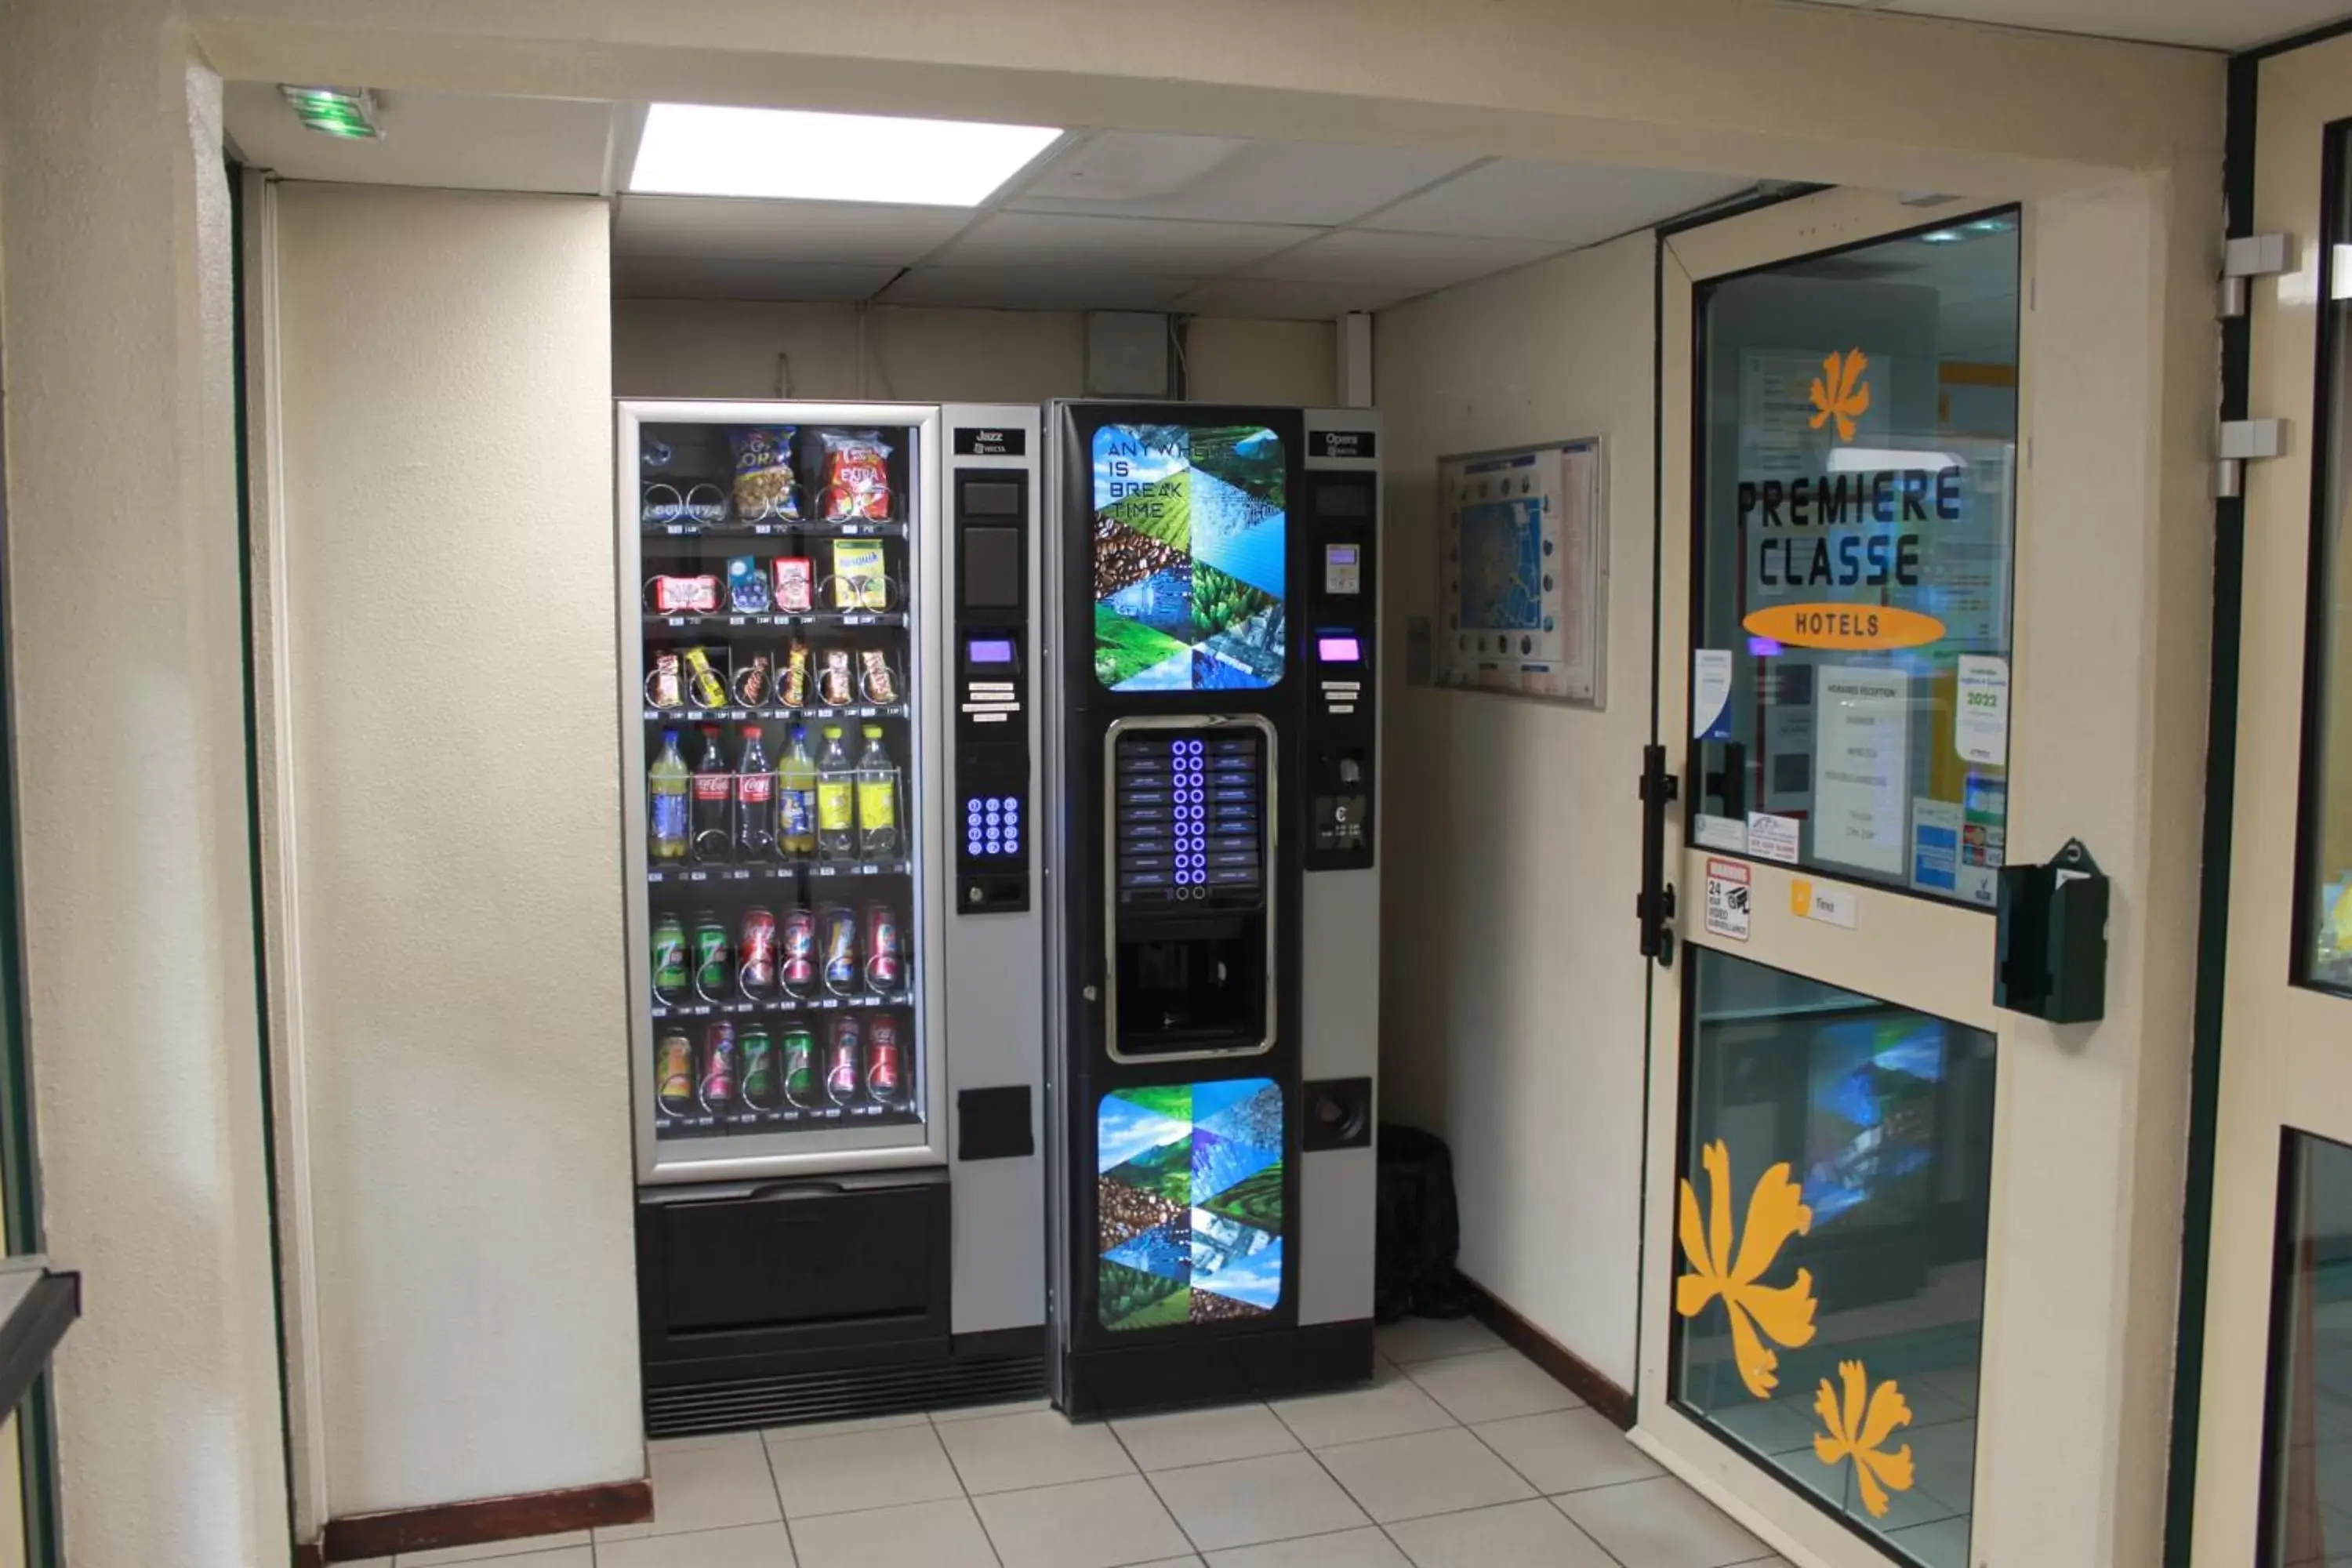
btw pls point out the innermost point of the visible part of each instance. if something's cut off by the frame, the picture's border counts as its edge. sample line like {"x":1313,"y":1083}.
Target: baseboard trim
{"x":311,"y":1554}
{"x":1580,"y":1376}
{"x":486,"y":1519}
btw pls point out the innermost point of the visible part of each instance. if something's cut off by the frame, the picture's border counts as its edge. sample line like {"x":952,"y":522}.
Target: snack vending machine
{"x":1213,"y":711}
{"x":838,"y":1208}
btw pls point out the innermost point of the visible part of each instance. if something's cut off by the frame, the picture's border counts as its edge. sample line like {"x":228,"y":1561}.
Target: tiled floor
{"x":1461,"y":1454}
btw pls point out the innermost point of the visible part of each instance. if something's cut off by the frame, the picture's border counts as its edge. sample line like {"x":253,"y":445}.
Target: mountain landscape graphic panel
{"x":1189,"y":1212}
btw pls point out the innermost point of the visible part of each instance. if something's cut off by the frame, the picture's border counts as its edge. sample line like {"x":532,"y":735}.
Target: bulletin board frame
{"x":1522,"y":607}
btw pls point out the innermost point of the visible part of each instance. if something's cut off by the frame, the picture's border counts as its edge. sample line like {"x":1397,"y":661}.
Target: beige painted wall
{"x":726,"y":348}
{"x":1511,"y":1008}
{"x":446,"y":467}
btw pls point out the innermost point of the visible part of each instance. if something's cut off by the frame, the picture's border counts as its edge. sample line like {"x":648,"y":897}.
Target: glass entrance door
{"x":1834,"y":658}
{"x":2274,"y":1480}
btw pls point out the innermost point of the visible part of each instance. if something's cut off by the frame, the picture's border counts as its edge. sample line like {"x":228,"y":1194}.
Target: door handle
{"x":1656,"y":907}
{"x":1730,"y":785}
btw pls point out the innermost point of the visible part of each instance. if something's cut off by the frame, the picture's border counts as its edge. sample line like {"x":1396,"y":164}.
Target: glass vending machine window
{"x":780,"y":709}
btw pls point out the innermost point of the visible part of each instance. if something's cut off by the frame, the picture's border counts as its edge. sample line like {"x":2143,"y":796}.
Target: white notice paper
{"x":1862,"y":754}
{"x":1710,"y":694}
{"x":1720,"y":833}
{"x":1980,"y":722}
{"x":1773,"y":837}
{"x":1726,"y":899}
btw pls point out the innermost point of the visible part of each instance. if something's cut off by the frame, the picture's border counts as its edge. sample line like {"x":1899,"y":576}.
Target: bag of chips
{"x":764,"y":489}
{"x":857,"y":478}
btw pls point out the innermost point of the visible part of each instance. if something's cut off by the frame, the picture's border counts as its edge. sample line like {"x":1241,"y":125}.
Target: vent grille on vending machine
{"x":738,"y":1404}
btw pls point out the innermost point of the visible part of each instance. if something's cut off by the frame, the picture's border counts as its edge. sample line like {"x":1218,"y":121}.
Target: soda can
{"x":758,"y":1068}
{"x":674,"y":1074}
{"x":843,"y":1065}
{"x":800,"y":1068}
{"x":755,"y":954}
{"x":716,"y":1087}
{"x":713,"y":974}
{"x":886,"y":1072}
{"x":798,"y":962}
{"x":840,"y":933}
{"x":669,"y":959}
{"x":885,"y":967}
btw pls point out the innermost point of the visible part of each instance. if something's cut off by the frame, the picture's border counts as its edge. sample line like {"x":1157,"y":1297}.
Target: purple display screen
{"x":988,"y":650}
{"x":1338,"y":651}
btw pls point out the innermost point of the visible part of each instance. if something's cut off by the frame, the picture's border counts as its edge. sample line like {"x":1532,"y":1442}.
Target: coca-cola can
{"x":755,"y":951}
{"x":844,"y":1060}
{"x":884,"y":963}
{"x":800,"y":952}
{"x":886,"y":1072}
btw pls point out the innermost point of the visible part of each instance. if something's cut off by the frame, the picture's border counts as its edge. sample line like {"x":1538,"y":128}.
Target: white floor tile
{"x":1490,"y":1385}
{"x":1427,"y":1472}
{"x":1426,"y":1338}
{"x":1041,"y":1448}
{"x":745,"y":1546}
{"x":863,"y":1469}
{"x":1246,"y":1502}
{"x":1203,"y":1437}
{"x":944,"y":1534}
{"x":843,"y":1429}
{"x":1087,"y":1524}
{"x":1565,"y":1450}
{"x":562,"y":1557}
{"x":975,"y":1412}
{"x":1366,"y":1547}
{"x":1660,"y":1523}
{"x":490,"y":1551}
{"x":698,"y":1440}
{"x":711,"y":1487}
{"x":1388,"y":1406}
{"x":1515,"y":1535}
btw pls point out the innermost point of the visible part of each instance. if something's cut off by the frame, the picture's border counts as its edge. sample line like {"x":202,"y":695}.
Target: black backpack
{"x":1419,"y":1229}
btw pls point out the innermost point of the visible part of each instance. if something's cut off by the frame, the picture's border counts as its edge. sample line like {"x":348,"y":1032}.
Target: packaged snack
{"x":752,"y":681}
{"x":795,"y":589}
{"x":857,"y":580}
{"x":683,"y":595}
{"x":874,"y":676}
{"x":747,"y":586}
{"x":833,"y":683}
{"x":663,"y":687}
{"x":764,"y":488}
{"x":709,"y":692}
{"x":793,"y":690}
{"x":856,"y":477}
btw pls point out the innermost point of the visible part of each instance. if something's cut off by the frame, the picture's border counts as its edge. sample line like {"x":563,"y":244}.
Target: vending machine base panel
{"x":1278,"y":1364}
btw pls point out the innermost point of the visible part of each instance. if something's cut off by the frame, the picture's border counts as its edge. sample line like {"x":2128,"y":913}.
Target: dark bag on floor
{"x":1420,"y":1230}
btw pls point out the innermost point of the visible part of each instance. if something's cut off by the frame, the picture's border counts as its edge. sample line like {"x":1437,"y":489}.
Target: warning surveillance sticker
{"x":1726,"y":899}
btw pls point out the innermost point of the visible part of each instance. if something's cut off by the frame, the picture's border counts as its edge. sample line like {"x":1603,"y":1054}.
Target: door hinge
{"x":2251,"y":256}
{"x":2242,"y":439}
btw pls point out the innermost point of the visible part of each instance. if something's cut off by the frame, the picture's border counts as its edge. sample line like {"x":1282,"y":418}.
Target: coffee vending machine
{"x":1211,"y":694}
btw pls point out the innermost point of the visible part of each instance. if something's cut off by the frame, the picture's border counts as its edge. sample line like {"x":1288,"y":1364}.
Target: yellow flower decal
{"x":1775,"y":1212}
{"x":1845,"y":397}
{"x":1856,"y":1433}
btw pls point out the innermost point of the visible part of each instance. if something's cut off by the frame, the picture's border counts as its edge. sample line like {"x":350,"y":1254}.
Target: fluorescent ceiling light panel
{"x":698,"y":150}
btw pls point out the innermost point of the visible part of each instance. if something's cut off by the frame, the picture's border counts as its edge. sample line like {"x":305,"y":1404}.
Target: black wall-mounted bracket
{"x":2051,"y":945}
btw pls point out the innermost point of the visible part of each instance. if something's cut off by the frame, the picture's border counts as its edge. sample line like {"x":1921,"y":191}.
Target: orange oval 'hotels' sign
{"x":1844,"y":625}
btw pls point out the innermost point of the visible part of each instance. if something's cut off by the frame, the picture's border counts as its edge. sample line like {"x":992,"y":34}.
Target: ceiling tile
{"x":1568,"y":203}
{"x":740,"y":278}
{"x":1273,"y":300}
{"x":431,"y":139}
{"x":1036,"y":288}
{"x":1169,"y":248}
{"x":1412,"y":262}
{"x":833,"y":233}
{"x":1218,"y":179}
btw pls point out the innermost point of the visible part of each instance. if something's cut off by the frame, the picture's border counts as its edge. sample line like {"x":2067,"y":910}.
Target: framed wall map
{"x":1522,"y":572}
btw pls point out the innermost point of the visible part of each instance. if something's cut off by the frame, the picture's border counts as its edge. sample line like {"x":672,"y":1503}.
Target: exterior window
{"x":2307,"y":1470}
{"x":2326,"y":897}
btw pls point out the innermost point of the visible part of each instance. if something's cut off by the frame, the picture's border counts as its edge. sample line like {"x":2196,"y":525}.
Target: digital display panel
{"x":1189,"y":1203}
{"x":1344,"y":500}
{"x":1190,"y":540}
{"x":992,"y":566}
{"x":1338,"y":649}
{"x":988,"y":650}
{"x":1341,"y":555}
{"x":1190,"y":805}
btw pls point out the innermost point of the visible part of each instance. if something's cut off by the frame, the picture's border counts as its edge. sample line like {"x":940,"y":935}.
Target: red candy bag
{"x":857,"y":478}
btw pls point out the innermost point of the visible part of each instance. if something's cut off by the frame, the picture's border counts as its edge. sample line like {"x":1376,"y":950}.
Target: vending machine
{"x":835,"y":959}
{"x":1211,"y":687}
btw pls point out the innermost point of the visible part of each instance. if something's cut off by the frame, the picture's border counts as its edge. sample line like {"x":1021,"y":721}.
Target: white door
{"x":1841,"y":510}
{"x":2273,"y":1482}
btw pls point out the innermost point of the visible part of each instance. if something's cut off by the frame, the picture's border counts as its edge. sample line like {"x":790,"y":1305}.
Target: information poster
{"x":1862,"y":768}
{"x":1523,"y":572}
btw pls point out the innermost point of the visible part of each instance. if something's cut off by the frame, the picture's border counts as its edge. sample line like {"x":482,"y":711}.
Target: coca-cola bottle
{"x":714,"y":792}
{"x":755,"y":800}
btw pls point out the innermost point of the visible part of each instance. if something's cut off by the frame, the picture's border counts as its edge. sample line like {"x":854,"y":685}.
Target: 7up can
{"x":714,"y":968}
{"x":800,"y":1068}
{"x":669,"y":959}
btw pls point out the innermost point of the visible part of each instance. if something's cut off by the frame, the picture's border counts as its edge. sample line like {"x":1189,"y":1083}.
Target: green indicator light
{"x":348,"y":112}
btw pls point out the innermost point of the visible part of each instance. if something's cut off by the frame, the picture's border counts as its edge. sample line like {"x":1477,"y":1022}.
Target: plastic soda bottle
{"x":714,"y":790}
{"x":796,"y":797}
{"x":666,"y":780}
{"x":877,"y":799}
{"x":836,"y":796}
{"x":755,"y":799}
